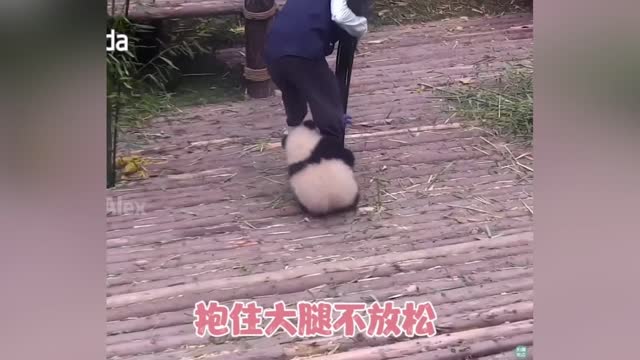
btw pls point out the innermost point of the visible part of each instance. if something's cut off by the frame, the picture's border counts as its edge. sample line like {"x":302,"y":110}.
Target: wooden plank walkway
{"x":445,"y":217}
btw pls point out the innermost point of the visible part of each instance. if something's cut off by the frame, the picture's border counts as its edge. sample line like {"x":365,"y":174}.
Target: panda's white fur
{"x":320,"y":171}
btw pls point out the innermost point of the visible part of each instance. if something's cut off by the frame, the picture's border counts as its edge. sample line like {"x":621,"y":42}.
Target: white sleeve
{"x":356,"y":26}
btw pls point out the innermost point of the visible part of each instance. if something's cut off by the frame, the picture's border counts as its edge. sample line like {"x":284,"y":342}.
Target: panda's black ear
{"x":283,"y":142}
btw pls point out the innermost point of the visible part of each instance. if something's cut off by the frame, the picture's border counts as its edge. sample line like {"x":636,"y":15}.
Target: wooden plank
{"x":171,"y":9}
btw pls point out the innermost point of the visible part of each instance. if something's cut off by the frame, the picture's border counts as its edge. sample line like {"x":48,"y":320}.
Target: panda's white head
{"x":300,"y":142}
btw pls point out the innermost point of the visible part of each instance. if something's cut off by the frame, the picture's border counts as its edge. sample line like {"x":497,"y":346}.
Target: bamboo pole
{"x":126,"y":299}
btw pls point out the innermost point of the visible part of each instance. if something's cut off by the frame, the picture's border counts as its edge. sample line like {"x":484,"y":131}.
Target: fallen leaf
{"x":466,"y":80}
{"x":130,"y":168}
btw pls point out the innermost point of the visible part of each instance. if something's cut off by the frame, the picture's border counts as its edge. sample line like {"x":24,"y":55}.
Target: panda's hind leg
{"x":347,"y":156}
{"x":329,"y":148}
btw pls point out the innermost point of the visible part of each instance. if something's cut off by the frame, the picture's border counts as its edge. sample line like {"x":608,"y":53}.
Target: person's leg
{"x":320,"y":87}
{"x":295,"y":104}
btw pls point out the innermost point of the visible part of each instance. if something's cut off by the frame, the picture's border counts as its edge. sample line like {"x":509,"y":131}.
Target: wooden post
{"x":110,"y":166}
{"x":112,"y":131}
{"x":112,"y":140}
{"x":258,"y":14}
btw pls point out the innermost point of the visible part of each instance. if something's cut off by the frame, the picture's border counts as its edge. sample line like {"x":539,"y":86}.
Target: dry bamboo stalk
{"x":125,"y":299}
{"x":366,"y":168}
{"x":439,"y":217}
{"x":493,"y":297}
{"x":416,"y":180}
{"x":321,"y":243}
{"x":286,"y":229}
{"x":471,"y":350}
{"x":212,"y":350}
{"x":512,"y":312}
{"x":231,"y":246}
{"x":392,"y":132}
{"x":239,"y":116}
{"x":153,"y":345}
{"x":276,"y":353}
{"x":438,"y":225}
{"x":273,"y":238}
{"x":394,"y":172}
{"x":302,"y":258}
{"x":389,"y":288}
{"x":243,"y":168}
{"x":517,"y":293}
{"x":224,"y":215}
{"x":285,"y":287}
{"x":273,"y":241}
{"x":418,"y":291}
{"x":294,"y":254}
{"x":430,"y":344}
{"x":433,"y":209}
{"x":476,"y":320}
{"x":205,"y":143}
{"x":229,"y":157}
{"x":458,"y":313}
{"x":133,"y":318}
{"x":323,"y":345}
{"x":262,"y":199}
{"x":396,"y":159}
{"x":395,"y":163}
{"x":509,"y":285}
{"x":200,"y":167}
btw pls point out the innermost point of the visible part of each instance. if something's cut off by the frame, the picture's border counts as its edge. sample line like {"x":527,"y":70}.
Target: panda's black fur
{"x":321,"y":156}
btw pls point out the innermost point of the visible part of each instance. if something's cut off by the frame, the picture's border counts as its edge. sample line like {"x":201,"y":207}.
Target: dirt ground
{"x":446,"y":214}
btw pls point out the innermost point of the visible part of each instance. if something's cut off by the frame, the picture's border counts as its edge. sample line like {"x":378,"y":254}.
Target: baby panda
{"x":320,"y":171}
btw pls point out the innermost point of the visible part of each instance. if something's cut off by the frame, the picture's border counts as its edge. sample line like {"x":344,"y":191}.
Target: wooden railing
{"x":257,"y":13}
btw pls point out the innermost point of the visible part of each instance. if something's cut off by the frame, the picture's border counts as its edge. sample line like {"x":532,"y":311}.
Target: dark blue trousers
{"x":309,"y":84}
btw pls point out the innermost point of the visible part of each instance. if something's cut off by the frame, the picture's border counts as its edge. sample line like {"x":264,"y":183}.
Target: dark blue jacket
{"x":302,"y":28}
